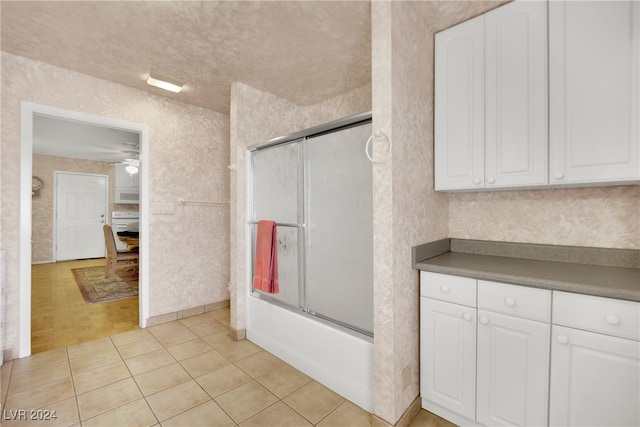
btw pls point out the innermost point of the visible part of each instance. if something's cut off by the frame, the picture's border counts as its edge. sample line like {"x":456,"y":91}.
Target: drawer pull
{"x":484,"y":320}
{"x":466,"y":317}
{"x":562,"y":339}
{"x":444,"y":289}
{"x":510,"y":302}
{"x":612,"y":319}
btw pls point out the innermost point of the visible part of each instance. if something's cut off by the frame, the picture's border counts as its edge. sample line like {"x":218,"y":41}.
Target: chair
{"x":114,"y":255}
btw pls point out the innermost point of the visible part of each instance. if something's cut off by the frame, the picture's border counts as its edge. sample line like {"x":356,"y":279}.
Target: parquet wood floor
{"x":61,"y":317}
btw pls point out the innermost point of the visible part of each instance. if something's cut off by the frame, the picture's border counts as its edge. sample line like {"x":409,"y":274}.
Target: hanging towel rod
{"x":281,"y":224}
{"x":202,"y":202}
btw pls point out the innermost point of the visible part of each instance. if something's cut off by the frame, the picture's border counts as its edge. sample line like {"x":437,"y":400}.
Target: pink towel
{"x":265,"y":272}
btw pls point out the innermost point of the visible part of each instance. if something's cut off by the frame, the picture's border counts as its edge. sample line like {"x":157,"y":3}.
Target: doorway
{"x":28,"y":112}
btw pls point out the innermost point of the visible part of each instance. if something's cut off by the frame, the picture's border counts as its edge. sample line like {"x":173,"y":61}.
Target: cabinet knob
{"x":562,"y":339}
{"x":612,"y":319}
{"x":444,"y":289}
{"x":491,"y":180}
{"x":558,"y":175}
{"x":476,"y":181}
{"x":483,"y":320}
{"x":510,"y":302}
{"x":466,"y":317}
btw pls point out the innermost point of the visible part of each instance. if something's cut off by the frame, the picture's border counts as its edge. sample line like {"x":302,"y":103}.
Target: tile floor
{"x":184,"y":373}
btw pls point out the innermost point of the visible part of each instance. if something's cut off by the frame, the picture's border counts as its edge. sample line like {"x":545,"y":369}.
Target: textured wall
{"x":407,"y":211}
{"x":256,"y":117}
{"x":188,"y":157}
{"x":605,"y":217}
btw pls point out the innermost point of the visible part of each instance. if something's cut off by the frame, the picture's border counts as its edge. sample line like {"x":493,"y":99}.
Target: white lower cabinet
{"x":513,"y":366}
{"x":494,"y":354}
{"x":448,"y":356}
{"x":595,"y":362}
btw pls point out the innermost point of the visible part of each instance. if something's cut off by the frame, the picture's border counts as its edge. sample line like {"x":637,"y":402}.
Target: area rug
{"x":97,"y":288}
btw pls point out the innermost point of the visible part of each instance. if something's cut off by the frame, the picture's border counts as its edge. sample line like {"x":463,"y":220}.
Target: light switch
{"x":162,"y":208}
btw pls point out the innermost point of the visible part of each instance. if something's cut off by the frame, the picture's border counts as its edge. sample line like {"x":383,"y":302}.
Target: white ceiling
{"x":66,"y":138}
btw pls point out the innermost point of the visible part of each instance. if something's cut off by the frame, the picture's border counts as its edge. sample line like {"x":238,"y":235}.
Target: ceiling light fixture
{"x":165,"y":83}
{"x":132,"y":165}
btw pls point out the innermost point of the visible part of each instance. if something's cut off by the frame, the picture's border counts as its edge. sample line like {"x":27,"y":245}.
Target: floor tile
{"x":347,"y":415}
{"x":172,"y":333}
{"x":147,"y":362}
{"x":133,"y":414}
{"x":189,"y":349}
{"x":314,"y":401}
{"x":237,"y":350}
{"x":137,"y":348}
{"x":162,"y":378}
{"x":175,"y":400}
{"x":259,"y":363}
{"x":94,"y":359}
{"x":284,"y":380}
{"x":39,"y":360}
{"x":222,"y":314}
{"x":204,"y":415}
{"x":223,"y":380}
{"x":40,"y":396}
{"x":205,"y":362}
{"x":94,"y":378}
{"x":131,"y":336}
{"x":39,"y":376}
{"x":109,"y":397}
{"x":219,"y":339}
{"x":428,"y":419}
{"x":246,"y":401}
{"x":279,"y":415}
{"x":206,"y":327}
{"x":85,"y":349}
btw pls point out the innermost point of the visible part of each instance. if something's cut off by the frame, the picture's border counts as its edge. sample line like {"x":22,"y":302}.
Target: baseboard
{"x":406,"y":418}
{"x":189,"y":312}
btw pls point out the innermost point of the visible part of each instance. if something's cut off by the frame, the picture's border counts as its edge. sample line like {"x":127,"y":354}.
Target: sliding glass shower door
{"x":339,"y":230}
{"x":318,"y":189}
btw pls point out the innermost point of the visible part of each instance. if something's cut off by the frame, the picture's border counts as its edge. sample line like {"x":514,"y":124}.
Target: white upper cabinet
{"x":594,"y":80}
{"x":491,"y":100}
{"x":459,"y":106}
{"x":537,"y":94}
{"x":516,"y":95}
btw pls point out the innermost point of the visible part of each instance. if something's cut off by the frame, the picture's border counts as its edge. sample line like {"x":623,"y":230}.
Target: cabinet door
{"x":595,"y":379}
{"x":516,"y":95}
{"x":594,"y":79}
{"x":513,"y":370}
{"x":448,"y":355}
{"x":459,"y":106}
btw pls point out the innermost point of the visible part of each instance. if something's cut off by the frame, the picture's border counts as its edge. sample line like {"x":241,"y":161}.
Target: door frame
{"x":56,"y":174}
{"x":27,"y":111}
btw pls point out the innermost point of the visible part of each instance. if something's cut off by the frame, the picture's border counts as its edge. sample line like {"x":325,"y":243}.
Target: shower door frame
{"x":298,"y":138}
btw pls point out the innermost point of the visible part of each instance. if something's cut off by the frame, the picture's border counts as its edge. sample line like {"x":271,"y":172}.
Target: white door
{"x":448,"y":356}
{"x":513,"y":370}
{"x":594,"y":79}
{"x":595,"y":379}
{"x":516,"y":95}
{"x":81,"y":211}
{"x":459,"y":106}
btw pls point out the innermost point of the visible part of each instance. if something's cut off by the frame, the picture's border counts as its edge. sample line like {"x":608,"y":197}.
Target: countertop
{"x":562,"y":268}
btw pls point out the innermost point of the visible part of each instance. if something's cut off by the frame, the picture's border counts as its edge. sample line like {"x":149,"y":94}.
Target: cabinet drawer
{"x":605,"y":315}
{"x":520,"y":301}
{"x":459,"y":290}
